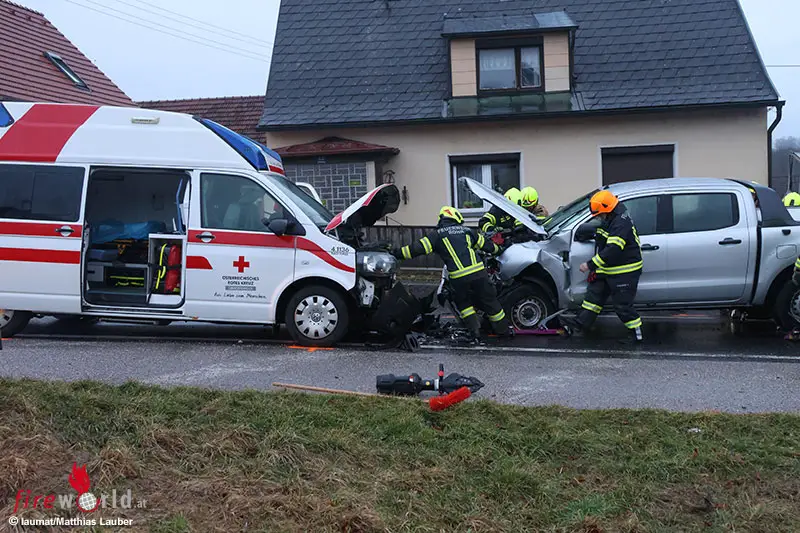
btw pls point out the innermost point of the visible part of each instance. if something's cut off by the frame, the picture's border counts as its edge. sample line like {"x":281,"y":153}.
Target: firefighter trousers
{"x":622,"y":290}
{"x":476,"y":291}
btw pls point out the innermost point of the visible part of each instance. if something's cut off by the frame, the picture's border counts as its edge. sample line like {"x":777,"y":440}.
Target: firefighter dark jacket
{"x":455,"y":244}
{"x":618,"y":245}
{"x":497,"y":218}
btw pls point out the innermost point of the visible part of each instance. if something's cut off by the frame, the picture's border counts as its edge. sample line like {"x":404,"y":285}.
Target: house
{"x":239,"y":113}
{"x":37,"y":63}
{"x":561,"y":95}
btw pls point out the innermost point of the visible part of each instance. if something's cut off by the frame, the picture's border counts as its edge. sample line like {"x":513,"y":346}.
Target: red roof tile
{"x":26,"y":74}
{"x":333,"y":146}
{"x":239,"y":113}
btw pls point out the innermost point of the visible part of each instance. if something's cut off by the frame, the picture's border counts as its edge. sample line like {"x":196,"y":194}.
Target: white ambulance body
{"x":92,"y":199}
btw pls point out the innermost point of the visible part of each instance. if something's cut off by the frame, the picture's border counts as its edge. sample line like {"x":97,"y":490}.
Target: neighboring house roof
{"x":239,"y":113}
{"x":373,"y":61}
{"x":333,"y":146}
{"x":27,"y":74}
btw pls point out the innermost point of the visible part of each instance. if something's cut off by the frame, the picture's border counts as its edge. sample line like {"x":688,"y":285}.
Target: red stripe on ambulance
{"x":197,"y":262}
{"x":234,"y":238}
{"x":39,"y":229}
{"x":27,"y":255}
{"x":41,"y":133}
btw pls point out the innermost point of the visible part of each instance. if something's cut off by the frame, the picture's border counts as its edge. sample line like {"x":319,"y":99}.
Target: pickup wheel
{"x":12,"y":322}
{"x":527,"y":304}
{"x":786,"y":311}
{"x":317,"y":316}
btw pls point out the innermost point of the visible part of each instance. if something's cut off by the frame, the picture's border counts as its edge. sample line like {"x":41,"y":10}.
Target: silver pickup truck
{"x":707,"y":243}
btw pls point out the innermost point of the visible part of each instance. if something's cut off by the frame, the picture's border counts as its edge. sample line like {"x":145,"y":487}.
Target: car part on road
{"x":317,"y":316}
{"x":542,"y":329}
{"x":413,"y":384}
{"x":12,"y":322}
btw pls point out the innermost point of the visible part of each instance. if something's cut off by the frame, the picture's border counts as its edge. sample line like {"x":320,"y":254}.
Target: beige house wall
{"x":560,"y":157}
{"x":462,"y":67}
{"x":556,"y":62}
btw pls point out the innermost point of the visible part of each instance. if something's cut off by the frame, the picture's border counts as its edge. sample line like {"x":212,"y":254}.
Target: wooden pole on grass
{"x":339,"y":391}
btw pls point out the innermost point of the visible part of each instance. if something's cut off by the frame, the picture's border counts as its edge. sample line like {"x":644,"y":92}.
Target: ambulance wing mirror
{"x":277,"y":226}
{"x":585,"y":232}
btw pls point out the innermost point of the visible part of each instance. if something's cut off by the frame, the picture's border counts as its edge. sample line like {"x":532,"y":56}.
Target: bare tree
{"x":781,"y":158}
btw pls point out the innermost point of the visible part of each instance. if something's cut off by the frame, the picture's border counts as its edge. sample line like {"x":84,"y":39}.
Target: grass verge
{"x":247,"y":461}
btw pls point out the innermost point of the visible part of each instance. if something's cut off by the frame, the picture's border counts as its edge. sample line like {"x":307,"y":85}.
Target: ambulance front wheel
{"x":12,"y":322}
{"x":317,"y":316}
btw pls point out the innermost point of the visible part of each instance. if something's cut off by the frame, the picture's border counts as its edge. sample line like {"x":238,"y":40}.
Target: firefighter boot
{"x":634,"y":337}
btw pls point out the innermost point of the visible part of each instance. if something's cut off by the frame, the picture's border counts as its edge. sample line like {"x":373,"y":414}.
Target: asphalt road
{"x":689,"y":363}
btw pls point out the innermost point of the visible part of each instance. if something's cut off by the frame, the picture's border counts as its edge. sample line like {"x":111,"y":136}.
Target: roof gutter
{"x":519,"y":116}
{"x":778,"y":117}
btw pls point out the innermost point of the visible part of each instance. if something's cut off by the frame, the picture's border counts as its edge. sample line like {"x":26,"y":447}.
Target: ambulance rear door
{"x":41,"y":229}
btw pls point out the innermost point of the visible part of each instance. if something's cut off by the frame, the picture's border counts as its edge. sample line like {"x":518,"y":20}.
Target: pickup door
{"x":710,"y":246}
{"x":648,"y":213}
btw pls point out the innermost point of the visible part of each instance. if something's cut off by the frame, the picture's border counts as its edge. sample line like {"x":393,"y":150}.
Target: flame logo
{"x":79,"y":479}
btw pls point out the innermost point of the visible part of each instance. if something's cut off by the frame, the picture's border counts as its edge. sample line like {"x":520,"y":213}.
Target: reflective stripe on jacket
{"x":618,"y":246}
{"x":456,"y":245}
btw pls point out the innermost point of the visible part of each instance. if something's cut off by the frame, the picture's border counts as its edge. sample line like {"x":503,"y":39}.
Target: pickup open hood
{"x":368,"y":209}
{"x":485,"y":193}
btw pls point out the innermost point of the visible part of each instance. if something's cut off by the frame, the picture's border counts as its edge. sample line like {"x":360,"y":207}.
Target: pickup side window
{"x":41,"y":192}
{"x":236,"y":203}
{"x":704,"y":212}
{"x":644,"y":212}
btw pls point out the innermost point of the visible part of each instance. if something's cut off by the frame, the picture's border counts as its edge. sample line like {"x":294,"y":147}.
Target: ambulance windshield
{"x":313,"y":209}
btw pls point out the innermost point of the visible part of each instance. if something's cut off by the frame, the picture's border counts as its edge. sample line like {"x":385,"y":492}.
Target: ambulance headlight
{"x":376,"y":263}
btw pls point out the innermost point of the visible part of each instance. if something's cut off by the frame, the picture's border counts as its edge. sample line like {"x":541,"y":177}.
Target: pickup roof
{"x":707,"y":243}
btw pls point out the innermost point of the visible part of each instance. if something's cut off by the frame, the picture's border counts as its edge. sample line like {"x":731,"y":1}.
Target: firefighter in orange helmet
{"x":615,"y":269}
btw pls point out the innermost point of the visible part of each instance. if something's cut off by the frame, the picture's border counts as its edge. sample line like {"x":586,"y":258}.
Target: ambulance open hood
{"x":368,"y":209}
{"x":485,"y":193}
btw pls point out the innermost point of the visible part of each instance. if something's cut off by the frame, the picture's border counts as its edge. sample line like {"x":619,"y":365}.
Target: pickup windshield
{"x":314,"y":210}
{"x":564,"y":215}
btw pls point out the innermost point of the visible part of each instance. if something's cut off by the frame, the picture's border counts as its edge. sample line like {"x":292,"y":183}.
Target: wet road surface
{"x":688,"y":363}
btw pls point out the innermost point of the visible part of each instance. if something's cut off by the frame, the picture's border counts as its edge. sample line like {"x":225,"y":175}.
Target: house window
{"x":66,"y":70}
{"x":631,"y":163}
{"x":499,"y":172}
{"x":510,"y":66}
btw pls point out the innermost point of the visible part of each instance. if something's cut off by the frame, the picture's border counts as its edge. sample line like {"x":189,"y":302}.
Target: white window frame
{"x":486,"y":179}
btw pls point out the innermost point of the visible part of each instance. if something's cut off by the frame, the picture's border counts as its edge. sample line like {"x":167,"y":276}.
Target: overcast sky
{"x":148,"y":63}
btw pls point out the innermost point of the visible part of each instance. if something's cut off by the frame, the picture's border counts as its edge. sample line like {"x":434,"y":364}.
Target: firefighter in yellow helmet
{"x":791,"y":200}
{"x":497,"y":219}
{"x":530,"y":201}
{"x":456,"y":244}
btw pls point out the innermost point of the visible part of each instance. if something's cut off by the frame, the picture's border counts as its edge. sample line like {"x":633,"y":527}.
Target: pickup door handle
{"x":205,"y":236}
{"x":649,"y":247}
{"x":65,"y":230}
{"x":730,"y":241}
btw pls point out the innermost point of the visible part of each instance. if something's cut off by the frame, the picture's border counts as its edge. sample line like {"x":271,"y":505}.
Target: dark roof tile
{"x":628,"y":54}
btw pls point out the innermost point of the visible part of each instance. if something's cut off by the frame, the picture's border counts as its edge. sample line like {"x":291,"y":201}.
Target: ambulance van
{"x":135,"y":215}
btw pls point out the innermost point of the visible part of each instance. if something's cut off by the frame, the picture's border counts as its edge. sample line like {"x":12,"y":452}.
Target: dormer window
{"x":66,"y":70}
{"x":510,"y":66}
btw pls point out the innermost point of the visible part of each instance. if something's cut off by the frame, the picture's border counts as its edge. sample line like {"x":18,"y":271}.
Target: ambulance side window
{"x":236,"y":203}
{"x":41,"y":192}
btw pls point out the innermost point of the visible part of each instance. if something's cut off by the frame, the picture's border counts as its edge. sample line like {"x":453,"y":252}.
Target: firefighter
{"x":497,"y":218}
{"x":530,"y":201}
{"x":791,"y":200}
{"x":455,"y":244}
{"x":615,"y":269}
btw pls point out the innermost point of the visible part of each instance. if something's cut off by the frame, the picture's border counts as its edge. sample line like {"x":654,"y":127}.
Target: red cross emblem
{"x":241,"y":264}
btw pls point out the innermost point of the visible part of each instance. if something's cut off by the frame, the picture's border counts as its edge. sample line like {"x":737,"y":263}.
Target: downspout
{"x":778,"y":117}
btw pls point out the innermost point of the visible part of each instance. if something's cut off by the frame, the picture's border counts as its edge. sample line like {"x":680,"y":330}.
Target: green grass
{"x":235,"y":461}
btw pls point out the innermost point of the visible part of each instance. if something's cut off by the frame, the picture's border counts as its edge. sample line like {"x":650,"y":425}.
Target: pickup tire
{"x":317,"y":316}
{"x":786,"y":304}
{"x":526,"y":304}
{"x":12,"y":322}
